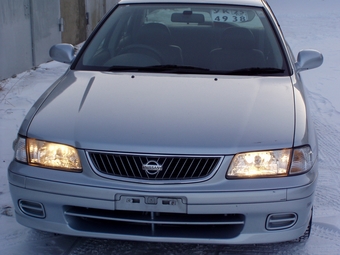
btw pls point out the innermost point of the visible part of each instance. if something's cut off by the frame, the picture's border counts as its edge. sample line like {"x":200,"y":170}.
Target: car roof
{"x":235,"y":2}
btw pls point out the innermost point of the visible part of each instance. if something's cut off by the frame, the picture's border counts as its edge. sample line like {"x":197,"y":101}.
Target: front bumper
{"x":242,"y":217}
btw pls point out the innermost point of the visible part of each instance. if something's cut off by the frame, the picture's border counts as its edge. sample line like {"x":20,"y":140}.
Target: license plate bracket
{"x":150,"y":203}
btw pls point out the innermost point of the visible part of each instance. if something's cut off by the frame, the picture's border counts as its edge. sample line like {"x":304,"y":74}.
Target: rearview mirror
{"x":308,"y":59}
{"x":187,"y":17}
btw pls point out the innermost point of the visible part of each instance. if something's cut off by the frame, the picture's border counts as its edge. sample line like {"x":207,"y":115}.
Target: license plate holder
{"x":150,"y":204}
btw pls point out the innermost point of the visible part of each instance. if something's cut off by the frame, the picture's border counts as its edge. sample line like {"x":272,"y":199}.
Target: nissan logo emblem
{"x":152,"y":167}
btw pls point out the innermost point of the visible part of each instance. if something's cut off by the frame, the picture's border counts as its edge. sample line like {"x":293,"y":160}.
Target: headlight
{"x":47,"y":154}
{"x":271,"y":163}
{"x":260,"y":164}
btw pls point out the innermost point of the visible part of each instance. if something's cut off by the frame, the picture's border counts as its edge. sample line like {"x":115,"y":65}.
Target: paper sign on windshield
{"x":230,"y":16}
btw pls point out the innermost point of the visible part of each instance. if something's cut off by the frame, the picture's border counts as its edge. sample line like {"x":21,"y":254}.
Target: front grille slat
{"x":123,"y":166}
{"x":154,"y":167}
{"x":104,"y":162}
{"x":95,"y":161}
{"x":158,"y":159}
{"x":116,"y":164}
{"x":197,"y":165}
{"x":189,"y":168}
{"x":181,"y":170}
{"x":108,"y":160}
{"x":168,"y":168}
{"x":136,"y":166}
{"x":210,"y":166}
{"x":131,"y":169}
{"x":174,"y":169}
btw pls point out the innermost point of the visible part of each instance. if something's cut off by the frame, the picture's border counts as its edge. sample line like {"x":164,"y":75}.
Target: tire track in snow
{"x":321,"y":233}
{"x":327,"y":124}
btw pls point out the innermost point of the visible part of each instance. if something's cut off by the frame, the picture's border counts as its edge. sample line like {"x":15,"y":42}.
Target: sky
{"x":307,"y":24}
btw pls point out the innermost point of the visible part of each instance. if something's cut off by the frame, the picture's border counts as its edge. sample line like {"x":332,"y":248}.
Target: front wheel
{"x":306,"y":235}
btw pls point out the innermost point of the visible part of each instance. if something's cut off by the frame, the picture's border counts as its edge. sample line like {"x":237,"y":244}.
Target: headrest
{"x":153,"y":34}
{"x":237,"y":38}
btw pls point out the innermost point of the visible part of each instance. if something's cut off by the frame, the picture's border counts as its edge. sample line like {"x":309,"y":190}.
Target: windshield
{"x":185,"y":38}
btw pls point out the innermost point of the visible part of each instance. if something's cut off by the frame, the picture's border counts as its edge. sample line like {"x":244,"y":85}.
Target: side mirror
{"x":308,"y":59}
{"x":62,"y":52}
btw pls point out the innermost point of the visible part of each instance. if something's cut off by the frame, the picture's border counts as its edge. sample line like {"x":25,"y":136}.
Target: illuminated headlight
{"x":271,"y":163}
{"x":47,"y":154}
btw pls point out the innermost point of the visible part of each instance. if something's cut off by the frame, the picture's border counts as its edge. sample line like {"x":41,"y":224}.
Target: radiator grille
{"x":146,"y":167}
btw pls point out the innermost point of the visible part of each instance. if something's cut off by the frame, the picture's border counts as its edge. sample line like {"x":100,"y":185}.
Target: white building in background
{"x":28,"y":28}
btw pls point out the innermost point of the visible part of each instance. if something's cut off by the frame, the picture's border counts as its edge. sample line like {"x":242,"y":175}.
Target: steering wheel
{"x":143,"y":49}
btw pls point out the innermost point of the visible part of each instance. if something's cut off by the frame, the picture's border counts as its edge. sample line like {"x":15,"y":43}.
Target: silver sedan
{"x":178,"y":121}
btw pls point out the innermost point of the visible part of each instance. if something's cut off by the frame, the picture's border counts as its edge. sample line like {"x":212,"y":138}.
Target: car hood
{"x":167,"y":113}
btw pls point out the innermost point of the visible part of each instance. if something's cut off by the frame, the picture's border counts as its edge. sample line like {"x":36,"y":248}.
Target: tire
{"x":306,"y":235}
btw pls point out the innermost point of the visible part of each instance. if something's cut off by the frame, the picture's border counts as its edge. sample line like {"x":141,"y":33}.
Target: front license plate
{"x":150,"y":204}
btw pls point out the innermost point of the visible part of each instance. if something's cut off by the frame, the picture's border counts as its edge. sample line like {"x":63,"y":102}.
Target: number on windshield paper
{"x":227,"y":15}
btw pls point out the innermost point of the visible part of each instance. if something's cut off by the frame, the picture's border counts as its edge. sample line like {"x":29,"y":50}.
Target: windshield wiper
{"x":124,"y":68}
{"x":181,"y":69}
{"x":196,"y":70}
{"x":161,"y":68}
{"x":256,"y":71}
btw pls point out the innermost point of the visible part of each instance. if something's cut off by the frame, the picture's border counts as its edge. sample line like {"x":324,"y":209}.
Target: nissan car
{"x":177,"y":121}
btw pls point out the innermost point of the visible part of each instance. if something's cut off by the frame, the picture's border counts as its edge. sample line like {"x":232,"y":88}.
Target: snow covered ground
{"x":306,"y":24}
